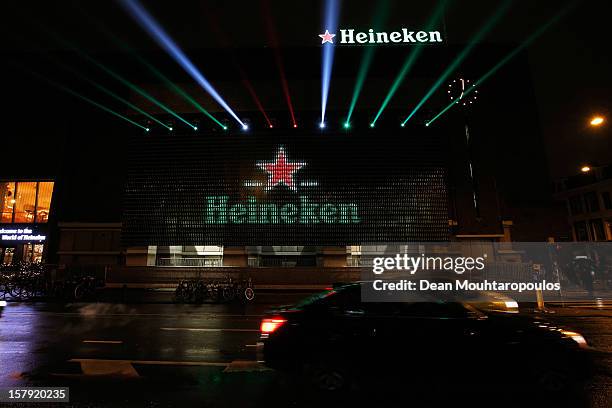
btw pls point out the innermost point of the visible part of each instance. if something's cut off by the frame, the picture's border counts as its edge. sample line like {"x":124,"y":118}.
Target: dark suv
{"x":337,"y":341}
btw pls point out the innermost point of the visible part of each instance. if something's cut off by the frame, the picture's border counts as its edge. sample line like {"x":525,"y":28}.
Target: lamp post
{"x":597,"y":121}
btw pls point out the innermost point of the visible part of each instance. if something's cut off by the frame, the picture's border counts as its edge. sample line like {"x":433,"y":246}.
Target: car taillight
{"x":269,"y":325}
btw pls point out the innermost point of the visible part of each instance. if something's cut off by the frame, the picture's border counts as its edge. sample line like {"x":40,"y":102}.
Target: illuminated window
{"x":7,"y":201}
{"x":25,"y":206}
{"x":33,"y":252}
{"x":43,"y":206}
{"x":9,"y":253}
{"x":25,"y":202}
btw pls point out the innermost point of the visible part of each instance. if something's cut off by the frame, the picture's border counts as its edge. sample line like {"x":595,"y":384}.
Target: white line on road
{"x":200,"y":329}
{"x":152,"y":362}
{"x":77,"y":314}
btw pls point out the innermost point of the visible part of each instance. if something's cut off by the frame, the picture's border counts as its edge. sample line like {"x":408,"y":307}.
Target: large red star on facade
{"x":280,"y":171}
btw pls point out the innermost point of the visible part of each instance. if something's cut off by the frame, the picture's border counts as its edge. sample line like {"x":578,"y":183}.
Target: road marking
{"x":196,"y":329}
{"x":108,"y":367}
{"x":251,"y":345}
{"x":169,"y":315}
{"x":125,"y":368}
{"x":152,"y":362}
{"x":245,"y":366}
{"x":103,"y":341}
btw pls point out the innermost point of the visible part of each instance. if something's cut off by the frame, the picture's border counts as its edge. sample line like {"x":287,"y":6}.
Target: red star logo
{"x":327,"y":37}
{"x":280,"y":171}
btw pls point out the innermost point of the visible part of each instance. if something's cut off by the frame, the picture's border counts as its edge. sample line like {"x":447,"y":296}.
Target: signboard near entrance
{"x":20,"y":234}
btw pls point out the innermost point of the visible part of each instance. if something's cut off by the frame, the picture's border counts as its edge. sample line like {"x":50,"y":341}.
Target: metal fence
{"x":190,"y":262}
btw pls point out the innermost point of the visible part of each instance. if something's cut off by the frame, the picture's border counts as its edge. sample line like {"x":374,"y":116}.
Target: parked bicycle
{"x":199,"y":291}
{"x":23,"y":281}
{"x":77,"y":287}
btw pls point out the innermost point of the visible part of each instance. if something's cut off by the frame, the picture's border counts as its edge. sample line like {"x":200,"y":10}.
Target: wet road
{"x":204,"y":355}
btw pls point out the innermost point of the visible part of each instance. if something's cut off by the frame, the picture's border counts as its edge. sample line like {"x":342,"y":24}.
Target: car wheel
{"x":328,"y":378}
{"x":552,"y":381}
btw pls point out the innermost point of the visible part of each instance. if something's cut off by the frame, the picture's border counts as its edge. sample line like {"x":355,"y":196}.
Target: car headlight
{"x":2,"y":303}
{"x":577,"y":337}
{"x":511,"y":305}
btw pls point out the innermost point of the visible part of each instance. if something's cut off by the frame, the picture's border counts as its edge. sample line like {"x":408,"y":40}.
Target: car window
{"x":344,"y":297}
{"x":440,"y":310}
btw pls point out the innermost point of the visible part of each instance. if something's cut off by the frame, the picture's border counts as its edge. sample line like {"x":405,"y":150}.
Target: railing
{"x":354,"y":261}
{"x":190,"y":262}
{"x":507,"y":272}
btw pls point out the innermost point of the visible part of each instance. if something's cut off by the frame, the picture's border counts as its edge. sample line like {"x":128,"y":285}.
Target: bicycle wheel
{"x":16,"y":290}
{"x":199,"y":292}
{"x":249,"y":294}
{"x":180,"y":293}
{"x":214,"y":292}
{"x":79,"y":291}
{"x":32,"y":285}
{"x":228,"y":293}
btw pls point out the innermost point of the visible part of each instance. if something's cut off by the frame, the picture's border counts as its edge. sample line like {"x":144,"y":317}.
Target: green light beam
{"x":86,"y":99}
{"x":108,"y":92}
{"x":179,"y":90}
{"x":462,"y":55}
{"x":135,"y":88}
{"x":102,"y":27}
{"x":368,"y":56}
{"x":409,"y":63}
{"x":116,"y":76}
{"x":505,"y":60}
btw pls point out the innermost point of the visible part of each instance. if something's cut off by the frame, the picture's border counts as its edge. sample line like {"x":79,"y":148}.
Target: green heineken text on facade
{"x":304,"y":211}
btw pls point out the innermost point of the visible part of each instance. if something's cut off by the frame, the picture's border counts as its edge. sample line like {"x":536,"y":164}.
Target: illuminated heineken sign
{"x":274,"y":188}
{"x":219,"y":210}
{"x":405,"y":36}
{"x":281,"y":174}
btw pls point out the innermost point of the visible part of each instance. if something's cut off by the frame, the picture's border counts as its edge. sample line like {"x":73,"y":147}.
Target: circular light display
{"x":459,"y":90}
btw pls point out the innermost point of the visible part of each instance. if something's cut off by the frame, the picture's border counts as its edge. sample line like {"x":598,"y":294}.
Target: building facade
{"x":588,"y":199}
{"x":294,"y":195}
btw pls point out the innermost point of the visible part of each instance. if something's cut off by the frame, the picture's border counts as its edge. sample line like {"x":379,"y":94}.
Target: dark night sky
{"x":570,"y":64}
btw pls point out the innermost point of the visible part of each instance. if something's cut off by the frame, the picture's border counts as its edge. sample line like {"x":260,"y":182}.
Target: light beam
{"x":332,"y":10}
{"x":123,"y":45}
{"x":505,"y":60}
{"x":272,"y":38}
{"x":151,"y":26}
{"x":501,"y":10}
{"x":177,"y":89}
{"x":410,"y":60}
{"x":82,"y":97}
{"x":382,"y":11}
{"x":222,"y":38}
{"x":135,"y":88}
{"x":108,"y":92}
{"x":116,"y":76}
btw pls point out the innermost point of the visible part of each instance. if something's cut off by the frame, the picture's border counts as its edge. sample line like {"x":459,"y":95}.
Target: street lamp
{"x":585,"y":169}
{"x":597,"y":120}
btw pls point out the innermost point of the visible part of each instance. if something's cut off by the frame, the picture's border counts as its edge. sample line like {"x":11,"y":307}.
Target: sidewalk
{"x":270,"y":294}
